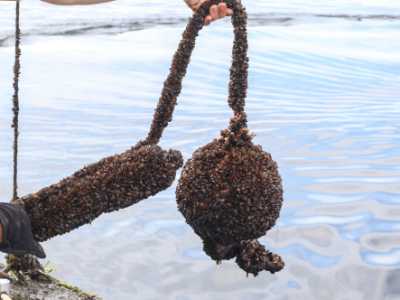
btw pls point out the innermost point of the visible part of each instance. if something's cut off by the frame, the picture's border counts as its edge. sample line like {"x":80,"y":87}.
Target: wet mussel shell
{"x":229,"y":193}
{"x":253,"y":258}
{"x":111,"y":184}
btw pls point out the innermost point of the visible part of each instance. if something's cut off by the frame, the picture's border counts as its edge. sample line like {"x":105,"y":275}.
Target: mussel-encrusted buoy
{"x":230,"y":191}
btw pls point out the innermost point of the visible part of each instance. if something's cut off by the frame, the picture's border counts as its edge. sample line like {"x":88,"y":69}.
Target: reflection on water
{"x":323,"y":99}
{"x":134,"y":24}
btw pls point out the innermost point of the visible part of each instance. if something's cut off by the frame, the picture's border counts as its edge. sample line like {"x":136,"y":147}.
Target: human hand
{"x":216,"y":11}
{"x":72,"y":2}
{"x":16,"y":232}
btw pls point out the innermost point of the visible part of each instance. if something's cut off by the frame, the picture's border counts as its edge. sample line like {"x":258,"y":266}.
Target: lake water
{"x":323,"y":99}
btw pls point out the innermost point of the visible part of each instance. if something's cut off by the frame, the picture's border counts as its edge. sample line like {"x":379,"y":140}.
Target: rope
{"x":15,"y":100}
{"x":238,"y":72}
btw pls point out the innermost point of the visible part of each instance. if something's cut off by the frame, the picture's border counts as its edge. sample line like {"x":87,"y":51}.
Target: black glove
{"x":17,"y":232}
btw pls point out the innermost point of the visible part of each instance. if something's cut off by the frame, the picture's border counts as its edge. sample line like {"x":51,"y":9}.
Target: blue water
{"x":323,"y":99}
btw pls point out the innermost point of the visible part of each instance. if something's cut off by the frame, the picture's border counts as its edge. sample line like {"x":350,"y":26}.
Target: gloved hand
{"x":17,"y":237}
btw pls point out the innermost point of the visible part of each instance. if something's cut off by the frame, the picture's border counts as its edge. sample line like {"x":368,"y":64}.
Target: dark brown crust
{"x":230,"y":192}
{"x":111,"y":184}
{"x":254,"y":258}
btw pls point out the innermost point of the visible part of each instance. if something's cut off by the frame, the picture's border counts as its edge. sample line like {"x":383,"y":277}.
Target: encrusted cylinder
{"x":111,"y":184}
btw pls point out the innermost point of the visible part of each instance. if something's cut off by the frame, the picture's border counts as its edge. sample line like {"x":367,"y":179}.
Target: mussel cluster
{"x":230,"y":191}
{"x":108,"y":185}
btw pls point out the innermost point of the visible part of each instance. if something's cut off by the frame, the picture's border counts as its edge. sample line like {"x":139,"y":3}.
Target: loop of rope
{"x":15,"y":99}
{"x":173,"y":83}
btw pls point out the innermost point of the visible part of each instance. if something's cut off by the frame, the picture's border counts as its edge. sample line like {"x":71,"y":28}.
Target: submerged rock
{"x":52,"y":290}
{"x":27,"y":279}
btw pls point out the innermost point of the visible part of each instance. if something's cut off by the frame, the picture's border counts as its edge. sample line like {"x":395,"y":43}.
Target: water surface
{"x":323,"y":99}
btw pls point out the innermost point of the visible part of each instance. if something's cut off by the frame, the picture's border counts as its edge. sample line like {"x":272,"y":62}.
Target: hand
{"x":16,"y":233}
{"x":216,"y":11}
{"x":72,"y":2}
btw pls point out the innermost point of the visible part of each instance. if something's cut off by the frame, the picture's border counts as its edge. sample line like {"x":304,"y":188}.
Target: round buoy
{"x":230,"y":191}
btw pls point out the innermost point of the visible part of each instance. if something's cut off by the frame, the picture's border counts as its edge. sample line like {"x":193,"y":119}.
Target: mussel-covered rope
{"x":15,"y":99}
{"x":173,"y":83}
{"x":239,"y":70}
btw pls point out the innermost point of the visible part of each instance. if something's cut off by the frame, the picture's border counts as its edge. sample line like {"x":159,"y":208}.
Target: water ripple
{"x":323,"y":99}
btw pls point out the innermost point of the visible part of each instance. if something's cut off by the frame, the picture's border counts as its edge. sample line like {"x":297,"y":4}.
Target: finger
{"x":208,"y":20}
{"x":229,"y":12}
{"x":222,"y":10}
{"x":214,"y":12}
